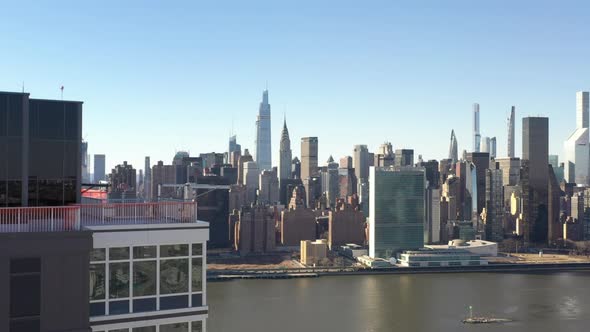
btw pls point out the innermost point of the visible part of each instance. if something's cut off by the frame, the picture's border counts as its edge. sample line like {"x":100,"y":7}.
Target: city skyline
{"x":384,"y":76}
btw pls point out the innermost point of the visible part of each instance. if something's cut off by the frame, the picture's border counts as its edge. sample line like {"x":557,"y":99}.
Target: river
{"x":384,"y":303}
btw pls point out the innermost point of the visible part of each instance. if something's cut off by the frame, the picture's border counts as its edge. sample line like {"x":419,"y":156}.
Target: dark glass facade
{"x":39,"y":151}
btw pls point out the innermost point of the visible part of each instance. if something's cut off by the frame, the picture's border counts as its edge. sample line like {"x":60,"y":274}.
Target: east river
{"x":384,"y":303}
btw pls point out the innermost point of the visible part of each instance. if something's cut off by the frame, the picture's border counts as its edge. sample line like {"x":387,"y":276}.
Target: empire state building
{"x":263,"y":145}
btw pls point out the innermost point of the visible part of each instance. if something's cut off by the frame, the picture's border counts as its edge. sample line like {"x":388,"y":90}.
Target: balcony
{"x":75,"y":217}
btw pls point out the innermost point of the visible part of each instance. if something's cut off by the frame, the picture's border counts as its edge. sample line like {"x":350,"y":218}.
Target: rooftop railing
{"x":75,"y":217}
{"x":39,"y":219}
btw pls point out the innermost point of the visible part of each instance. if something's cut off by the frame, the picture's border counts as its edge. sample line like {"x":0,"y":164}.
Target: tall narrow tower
{"x":263,"y":146}
{"x":453,"y":154}
{"x":476,"y":135}
{"x":582,"y":109}
{"x":285,"y":154}
{"x":511,"y":134}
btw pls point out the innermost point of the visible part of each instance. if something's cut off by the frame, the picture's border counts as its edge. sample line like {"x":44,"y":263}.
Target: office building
{"x":577,"y":146}
{"x":251,"y":181}
{"x":42,"y":138}
{"x":254,"y":230}
{"x":263,"y":137}
{"x":313,"y":252}
{"x":510,"y":168}
{"x":123,"y":182}
{"x":329,"y":182}
{"x":440,"y":257}
{"x":85,"y":159}
{"x":481,"y":160}
{"x":493,"y":147}
{"x":453,"y":154}
{"x":397,"y":210}
{"x":296,"y":168}
{"x":234,"y":150}
{"x":404,"y":157}
{"x":268,"y":187}
{"x":384,"y":157}
{"x":494,"y":205}
{"x":147,"y":179}
{"x":360,"y":158}
{"x":346,"y":162}
{"x":99,"y":168}
{"x":534,"y":177}
{"x":285,"y":155}
{"x":510,"y":147}
{"x":485,"y":144}
{"x":309,"y":157}
{"x":476,"y":134}
{"x":246,"y":157}
{"x":297,"y":222}
{"x":162,"y":175}
{"x":345,"y":225}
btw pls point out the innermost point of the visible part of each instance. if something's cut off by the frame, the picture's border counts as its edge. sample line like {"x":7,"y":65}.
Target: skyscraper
{"x":309,"y":157}
{"x":484,"y":144}
{"x":476,"y":135}
{"x":453,"y":154}
{"x":360,"y":159}
{"x":234,"y":151}
{"x":577,"y":146}
{"x":99,"y":168}
{"x":263,"y":139}
{"x":493,"y":147}
{"x":535,"y":178}
{"x":397,"y":210}
{"x":404,"y":157}
{"x":481,"y":160}
{"x":582,"y":109}
{"x":511,"y":134}
{"x":85,"y":162}
{"x":494,"y":204}
{"x":147,"y":180}
{"x":285,"y":154}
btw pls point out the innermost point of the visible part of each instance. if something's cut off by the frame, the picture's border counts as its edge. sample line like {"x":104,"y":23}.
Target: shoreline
{"x":227,"y":275}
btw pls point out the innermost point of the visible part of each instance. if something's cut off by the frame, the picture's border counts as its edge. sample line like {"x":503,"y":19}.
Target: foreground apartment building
{"x":105,"y":267}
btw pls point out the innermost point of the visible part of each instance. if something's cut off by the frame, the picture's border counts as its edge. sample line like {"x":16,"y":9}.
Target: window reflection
{"x":173,"y":276}
{"x":119,"y":280}
{"x":97,"y":281}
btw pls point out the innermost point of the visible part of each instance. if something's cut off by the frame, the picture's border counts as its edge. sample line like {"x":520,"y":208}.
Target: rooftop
{"x":78,"y":217}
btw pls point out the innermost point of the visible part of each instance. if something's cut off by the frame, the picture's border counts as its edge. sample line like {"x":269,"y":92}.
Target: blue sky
{"x":162,"y":76}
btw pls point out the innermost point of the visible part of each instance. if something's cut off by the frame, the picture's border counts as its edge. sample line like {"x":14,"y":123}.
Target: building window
{"x":25,"y":295}
{"x":144,"y":252}
{"x":97,"y":255}
{"x":174,"y":250}
{"x":176,"y":327}
{"x":144,"y":329}
{"x":197,"y":326}
{"x":97,"y":282}
{"x":119,"y":280}
{"x":144,"y":278}
{"x":197,"y":282}
{"x":119,"y":253}
{"x":174,"y":276}
{"x":197,"y":249}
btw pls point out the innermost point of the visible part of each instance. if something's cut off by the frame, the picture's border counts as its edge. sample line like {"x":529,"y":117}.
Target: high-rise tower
{"x":511,"y":134}
{"x":285,"y":154}
{"x":476,"y":135}
{"x":453,"y":154}
{"x":263,"y":146}
{"x":577,"y":146}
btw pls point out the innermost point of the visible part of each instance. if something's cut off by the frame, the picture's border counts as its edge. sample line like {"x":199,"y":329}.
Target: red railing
{"x":72,"y":218}
{"x":39,"y":219}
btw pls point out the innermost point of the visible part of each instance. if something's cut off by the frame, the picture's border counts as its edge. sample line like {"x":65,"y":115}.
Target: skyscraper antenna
{"x":23,"y":86}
